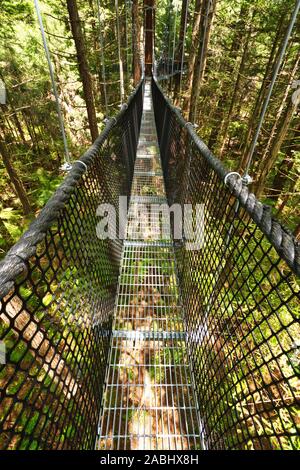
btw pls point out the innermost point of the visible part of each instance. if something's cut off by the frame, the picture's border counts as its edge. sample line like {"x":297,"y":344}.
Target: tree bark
{"x":19,"y":126}
{"x":207,"y":15}
{"x":149,"y":26}
{"x":15,"y":180}
{"x":192,"y":57}
{"x":282,"y":176}
{"x":180,"y":46}
{"x":297,"y":232}
{"x":237,"y":86}
{"x":281,"y":108}
{"x":229,"y":62}
{"x":266,"y":164}
{"x":83,"y":67}
{"x":120,"y":57}
{"x":136,"y":32}
{"x":263,"y":91}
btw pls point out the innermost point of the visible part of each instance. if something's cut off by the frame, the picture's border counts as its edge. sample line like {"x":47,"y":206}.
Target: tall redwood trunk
{"x":136,"y":33}
{"x":266,"y":164}
{"x":149,"y":26}
{"x":263,"y":90}
{"x":83,"y":67}
{"x":280,"y":108}
{"x":281,"y":179}
{"x":228,"y":68}
{"x":180,"y":46}
{"x":237,"y":86}
{"x":207,"y":15}
{"x":192,"y":56}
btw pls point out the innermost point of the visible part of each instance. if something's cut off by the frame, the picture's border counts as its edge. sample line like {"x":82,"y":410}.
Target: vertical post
{"x":149,"y":26}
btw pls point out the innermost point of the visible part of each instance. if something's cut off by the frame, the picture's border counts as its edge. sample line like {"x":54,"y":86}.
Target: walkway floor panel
{"x":149,"y":400}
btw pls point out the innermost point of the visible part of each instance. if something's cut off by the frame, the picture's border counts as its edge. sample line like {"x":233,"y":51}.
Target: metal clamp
{"x":247,"y":179}
{"x":188,"y":123}
{"x":231,"y":173}
{"x":82,"y":163}
{"x":66,"y":166}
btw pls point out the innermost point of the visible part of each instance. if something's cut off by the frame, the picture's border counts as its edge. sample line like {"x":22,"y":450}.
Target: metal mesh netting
{"x":149,"y":401}
{"x":240,"y":295}
{"x":58,"y":287}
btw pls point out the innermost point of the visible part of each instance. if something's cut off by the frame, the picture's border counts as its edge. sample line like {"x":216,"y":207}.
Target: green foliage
{"x":45,"y":186}
{"x":12,"y":12}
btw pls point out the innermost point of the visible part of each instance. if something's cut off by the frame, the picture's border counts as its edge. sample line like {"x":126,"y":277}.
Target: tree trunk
{"x":149,"y":25}
{"x":229,"y":62}
{"x":282,"y":175}
{"x":136,"y":32}
{"x":120,"y":58}
{"x":263,"y":90}
{"x":19,"y":126}
{"x":125,"y":46}
{"x":97,"y":89}
{"x":297,"y":232}
{"x":14,"y":114}
{"x":180,"y":47}
{"x":192,"y":57}
{"x":207,"y":15}
{"x":281,"y":108}
{"x":237,"y":86}
{"x":266,"y":164}
{"x":83,"y":67}
{"x":15,"y":179}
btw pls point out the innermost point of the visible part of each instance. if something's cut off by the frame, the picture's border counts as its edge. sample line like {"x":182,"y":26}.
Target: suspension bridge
{"x":143,"y":342}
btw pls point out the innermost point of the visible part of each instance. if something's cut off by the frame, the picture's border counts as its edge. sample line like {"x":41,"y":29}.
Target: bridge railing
{"x":57,"y":291}
{"x":240,"y":292}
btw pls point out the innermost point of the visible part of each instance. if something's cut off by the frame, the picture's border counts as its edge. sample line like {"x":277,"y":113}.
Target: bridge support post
{"x":149,"y":27}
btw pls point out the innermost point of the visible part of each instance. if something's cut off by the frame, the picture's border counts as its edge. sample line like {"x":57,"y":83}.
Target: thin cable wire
{"x":275,"y":74}
{"x":54,"y":88}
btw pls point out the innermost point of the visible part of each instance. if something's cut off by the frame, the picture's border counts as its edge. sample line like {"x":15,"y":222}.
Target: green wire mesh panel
{"x":241,"y":299}
{"x":57,"y":288}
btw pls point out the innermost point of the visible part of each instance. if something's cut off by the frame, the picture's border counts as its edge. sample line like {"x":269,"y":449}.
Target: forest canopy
{"x":104,"y":337}
{"x":214,"y":58}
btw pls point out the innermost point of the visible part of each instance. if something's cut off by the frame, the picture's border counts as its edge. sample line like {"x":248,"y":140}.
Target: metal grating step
{"x":147,"y":173}
{"x":155,"y":158}
{"x":148,"y":335}
{"x":148,"y":164}
{"x":148,"y":222}
{"x":166,"y":243}
{"x":149,"y":400}
{"x":148,"y":199}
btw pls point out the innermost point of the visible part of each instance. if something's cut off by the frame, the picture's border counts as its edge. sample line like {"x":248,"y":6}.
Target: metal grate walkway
{"x":149,"y":400}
